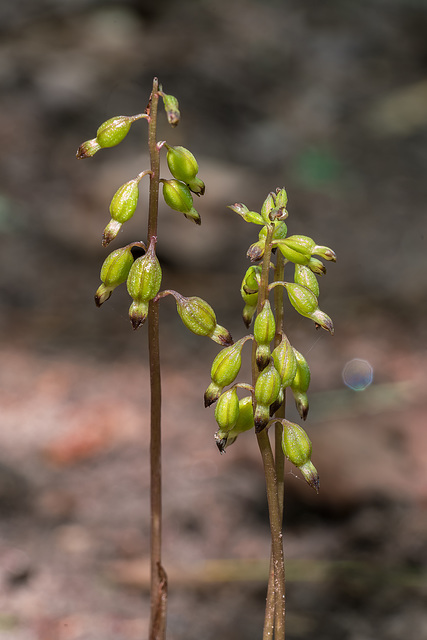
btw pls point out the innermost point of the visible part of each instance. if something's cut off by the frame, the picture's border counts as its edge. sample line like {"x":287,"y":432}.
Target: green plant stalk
{"x":158,"y":575}
{"x":275,"y":606}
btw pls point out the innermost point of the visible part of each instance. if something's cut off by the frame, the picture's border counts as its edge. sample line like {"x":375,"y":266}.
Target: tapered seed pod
{"x":199,"y":317}
{"x":300,"y":384}
{"x":143,"y":284}
{"x":183,"y":166}
{"x":285,"y":362}
{"x":266,"y":391}
{"x":225,"y":369}
{"x":227,"y":410}
{"x":264,"y":331}
{"x":245,"y":421}
{"x":178,"y":197}
{"x":171,"y":107}
{"x":114,"y":271}
{"x":305,"y":277}
{"x":297,"y":448}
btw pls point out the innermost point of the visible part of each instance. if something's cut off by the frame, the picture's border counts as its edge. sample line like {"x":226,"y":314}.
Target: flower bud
{"x":251,"y":279}
{"x":267,"y":207}
{"x":171,"y":107}
{"x":297,"y":448}
{"x":199,"y":317}
{"x":227,"y":410}
{"x":300,"y":384}
{"x":143,"y":284}
{"x":264,"y":331}
{"x":245,"y":421}
{"x":178,"y":197}
{"x":281,"y":198}
{"x":225,"y":369}
{"x":243,"y":211}
{"x":305,"y":277}
{"x":114,"y":271}
{"x":267,"y":389}
{"x":285,"y":362}
{"x":113,"y":131}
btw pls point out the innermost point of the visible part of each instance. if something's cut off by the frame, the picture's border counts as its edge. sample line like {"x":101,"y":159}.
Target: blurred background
{"x":328,"y":99}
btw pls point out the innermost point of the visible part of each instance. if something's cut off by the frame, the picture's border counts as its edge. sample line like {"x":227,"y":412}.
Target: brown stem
{"x":158,"y":574}
{"x":274,"y":620}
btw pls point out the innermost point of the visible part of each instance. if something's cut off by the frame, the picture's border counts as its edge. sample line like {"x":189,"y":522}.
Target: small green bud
{"x":243,"y":211}
{"x":281,"y":198}
{"x":285,"y":362}
{"x":227,"y":410}
{"x":113,"y":131}
{"x":171,"y":107}
{"x":297,"y":448}
{"x":267,"y":206}
{"x":305,"y":277}
{"x":143,"y":284}
{"x":178,"y":197}
{"x":199,"y":317}
{"x":300,"y":384}
{"x":251,"y":279}
{"x":245,"y":421}
{"x":87,"y":149}
{"x":114,"y":271}
{"x":267,"y":389}
{"x":225,"y":369}
{"x":264,"y":331}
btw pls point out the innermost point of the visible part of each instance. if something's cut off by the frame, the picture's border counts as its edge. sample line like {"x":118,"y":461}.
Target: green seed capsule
{"x":182,"y":164}
{"x":305,"y":277}
{"x":267,"y":389}
{"x":178,"y":197}
{"x":227,"y":410}
{"x":199,"y":317}
{"x":264,"y":331}
{"x":245,"y":421}
{"x":225,"y":369}
{"x":300,"y":384}
{"x":296,"y":444}
{"x":302,"y":299}
{"x":113,"y":131}
{"x":285,"y":362}
{"x":125,"y":200}
{"x":143,"y":284}
{"x":297,"y":256}
{"x":114,"y":271}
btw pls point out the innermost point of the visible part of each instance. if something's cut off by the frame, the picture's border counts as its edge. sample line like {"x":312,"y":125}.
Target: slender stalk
{"x":158,"y":574}
{"x":275,"y":606}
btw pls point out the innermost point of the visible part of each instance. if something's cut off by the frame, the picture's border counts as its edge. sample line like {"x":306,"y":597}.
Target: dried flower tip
{"x":212,"y":394}
{"x":300,"y":384}
{"x":316,"y":266}
{"x":138,"y":312}
{"x":197,"y":186}
{"x":321,"y":319}
{"x":245,"y":421}
{"x":251,"y":280}
{"x":171,"y":107}
{"x":301,"y":403}
{"x":310,"y":475}
{"x":256,"y":251}
{"x":325,"y":252}
{"x":87,"y":149}
{"x":110,"y":232}
{"x":102,"y":294}
{"x":248,"y":313}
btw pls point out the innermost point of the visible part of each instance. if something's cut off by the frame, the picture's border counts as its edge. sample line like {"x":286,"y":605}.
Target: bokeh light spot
{"x":358,"y":374}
